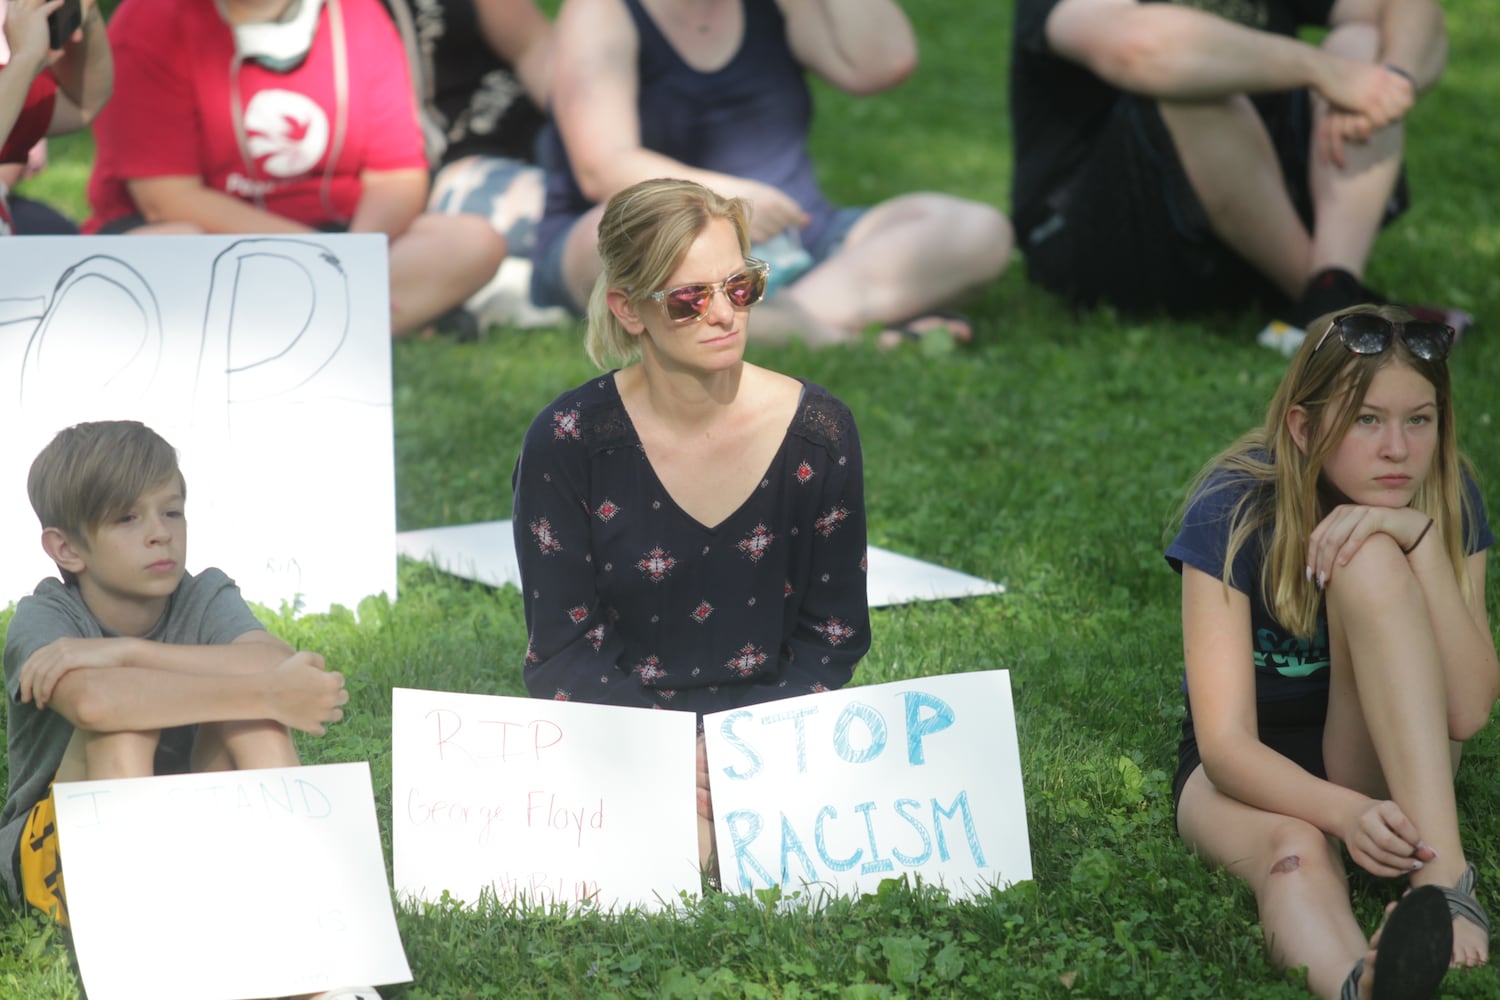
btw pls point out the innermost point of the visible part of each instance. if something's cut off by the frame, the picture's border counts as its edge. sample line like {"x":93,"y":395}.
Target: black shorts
{"x":1293,"y":728}
{"x":1128,"y":229}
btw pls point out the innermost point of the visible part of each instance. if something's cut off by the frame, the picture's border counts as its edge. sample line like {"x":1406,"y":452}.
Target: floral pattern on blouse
{"x":631,"y":601}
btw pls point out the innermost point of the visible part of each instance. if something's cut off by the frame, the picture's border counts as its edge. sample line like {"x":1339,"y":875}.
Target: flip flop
{"x":1463,"y":903}
{"x":1416,"y":944}
{"x":935,"y":332}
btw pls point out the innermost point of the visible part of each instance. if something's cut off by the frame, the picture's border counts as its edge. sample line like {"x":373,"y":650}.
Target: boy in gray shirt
{"x":131,"y":666}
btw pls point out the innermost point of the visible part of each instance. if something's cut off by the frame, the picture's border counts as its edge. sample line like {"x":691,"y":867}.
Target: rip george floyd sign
{"x":834,"y":792}
{"x":228,"y":884}
{"x":541,"y":801}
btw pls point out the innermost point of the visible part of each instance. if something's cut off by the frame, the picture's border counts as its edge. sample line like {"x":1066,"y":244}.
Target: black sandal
{"x":1416,"y":944}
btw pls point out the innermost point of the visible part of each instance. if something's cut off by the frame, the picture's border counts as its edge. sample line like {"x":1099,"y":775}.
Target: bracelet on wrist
{"x":1423,"y":534}
{"x":1403,"y":74}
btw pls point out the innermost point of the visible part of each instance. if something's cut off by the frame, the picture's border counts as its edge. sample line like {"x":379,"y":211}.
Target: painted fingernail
{"x":1415,"y":865}
{"x":1309,"y":574}
{"x":1322,"y":580}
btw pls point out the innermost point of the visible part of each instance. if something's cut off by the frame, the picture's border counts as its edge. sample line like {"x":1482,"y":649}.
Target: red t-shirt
{"x":171,"y":112}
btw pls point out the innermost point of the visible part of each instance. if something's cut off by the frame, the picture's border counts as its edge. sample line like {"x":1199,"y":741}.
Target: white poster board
{"x":542,"y":801}
{"x":228,"y":885}
{"x":264,"y":360}
{"x":485,"y":552}
{"x":828,"y":794}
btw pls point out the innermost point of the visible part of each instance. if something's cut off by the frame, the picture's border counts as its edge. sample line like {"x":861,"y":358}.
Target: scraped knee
{"x":1296,"y":849}
{"x":1285,"y":865}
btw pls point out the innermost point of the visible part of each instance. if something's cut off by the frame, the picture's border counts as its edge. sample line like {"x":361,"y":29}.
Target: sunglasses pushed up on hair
{"x":743,"y":289}
{"x":1366,"y":333}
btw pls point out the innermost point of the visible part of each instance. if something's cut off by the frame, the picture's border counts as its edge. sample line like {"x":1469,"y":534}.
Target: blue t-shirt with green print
{"x":1286,"y":666}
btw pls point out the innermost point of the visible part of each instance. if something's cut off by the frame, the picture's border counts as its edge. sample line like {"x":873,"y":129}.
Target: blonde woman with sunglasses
{"x":1338,"y":654}
{"x":690,"y":528}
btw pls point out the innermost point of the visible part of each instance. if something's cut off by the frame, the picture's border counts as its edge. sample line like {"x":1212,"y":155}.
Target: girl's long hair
{"x":1285,"y":499}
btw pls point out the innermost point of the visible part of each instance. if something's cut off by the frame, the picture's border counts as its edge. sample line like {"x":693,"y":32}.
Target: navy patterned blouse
{"x":631,"y":601}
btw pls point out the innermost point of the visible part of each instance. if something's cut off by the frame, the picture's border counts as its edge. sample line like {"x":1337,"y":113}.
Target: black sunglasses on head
{"x":1366,"y":333}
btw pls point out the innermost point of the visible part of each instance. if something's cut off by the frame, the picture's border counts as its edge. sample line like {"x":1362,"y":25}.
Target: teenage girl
{"x":1338,"y":654}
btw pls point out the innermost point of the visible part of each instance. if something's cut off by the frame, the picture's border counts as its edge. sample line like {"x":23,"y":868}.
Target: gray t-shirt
{"x":204,"y":610}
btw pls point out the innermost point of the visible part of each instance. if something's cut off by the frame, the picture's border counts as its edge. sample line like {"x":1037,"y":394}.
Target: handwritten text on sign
{"x":265,"y":360}
{"x":842,"y":789}
{"x":234,"y":849}
{"x":549,"y":802}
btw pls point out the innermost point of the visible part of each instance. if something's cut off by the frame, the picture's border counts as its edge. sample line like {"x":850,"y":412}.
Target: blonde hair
{"x":1284,"y":498}
{"x":94,"y":471}
{"x":646,"y":231}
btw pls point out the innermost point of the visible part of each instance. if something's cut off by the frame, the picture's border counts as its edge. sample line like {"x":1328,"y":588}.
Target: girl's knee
{"x":1297,"y":847}
{"x":1378,"y":572}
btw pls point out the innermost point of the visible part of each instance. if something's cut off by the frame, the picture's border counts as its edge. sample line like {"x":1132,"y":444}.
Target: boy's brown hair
{"x":90,"y":472}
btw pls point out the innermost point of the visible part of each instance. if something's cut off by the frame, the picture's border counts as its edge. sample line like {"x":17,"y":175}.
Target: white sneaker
{"x":1280,"y":336}
{"x":506,"y":301}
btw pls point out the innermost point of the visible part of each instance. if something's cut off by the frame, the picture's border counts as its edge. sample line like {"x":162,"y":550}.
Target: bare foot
{"x":1471,"y":941}
{"x":949,"y":327}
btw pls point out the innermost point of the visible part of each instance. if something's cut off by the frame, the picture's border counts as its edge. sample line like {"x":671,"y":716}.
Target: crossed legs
{"x":1231,"y":163}
{"x":904,"y":258}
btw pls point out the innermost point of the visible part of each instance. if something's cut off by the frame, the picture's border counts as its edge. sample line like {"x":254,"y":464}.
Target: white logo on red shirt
{"x":287,"y":132}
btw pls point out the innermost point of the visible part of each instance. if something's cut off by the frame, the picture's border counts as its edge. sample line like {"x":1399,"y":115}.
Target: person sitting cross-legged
{"x":716,"y":91}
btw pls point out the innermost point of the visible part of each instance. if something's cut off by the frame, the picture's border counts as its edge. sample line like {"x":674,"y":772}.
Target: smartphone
{"x":63,"y":21}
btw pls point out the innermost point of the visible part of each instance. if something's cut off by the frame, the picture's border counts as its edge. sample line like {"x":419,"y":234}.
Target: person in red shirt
{"x":275,"y":116}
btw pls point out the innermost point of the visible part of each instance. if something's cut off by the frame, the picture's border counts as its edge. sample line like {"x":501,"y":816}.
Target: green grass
{"x":1049,"y":457}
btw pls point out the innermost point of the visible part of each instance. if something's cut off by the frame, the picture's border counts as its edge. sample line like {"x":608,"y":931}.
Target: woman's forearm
{"x":86,"y":71}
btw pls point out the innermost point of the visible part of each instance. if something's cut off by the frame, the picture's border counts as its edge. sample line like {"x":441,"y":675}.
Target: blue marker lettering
{"x":903,"y":807}
{"x":876,"y":862}
{"x":838,"y":865}
{"x":726,"y":729}
{"x":795,"y":716}
{"x":790,"y":844}
{"x":741,"y":837}
{"x":873,"y":723}
{"x":918,"y":727}
{"x":960,"y":804}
